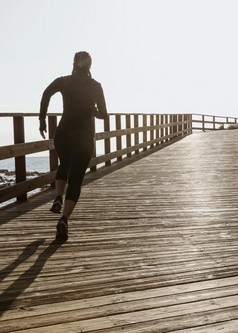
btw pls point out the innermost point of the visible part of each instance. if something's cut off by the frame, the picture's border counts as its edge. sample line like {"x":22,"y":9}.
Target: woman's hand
{"x":43,"y":128}
{"x":43,"y":134}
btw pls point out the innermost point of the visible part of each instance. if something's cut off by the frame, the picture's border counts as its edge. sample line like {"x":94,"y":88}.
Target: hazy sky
{"x":162,"y":56}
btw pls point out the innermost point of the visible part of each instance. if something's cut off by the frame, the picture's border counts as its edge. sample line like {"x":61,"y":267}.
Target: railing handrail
{"x":58,"y":114}
{"x":211,"y":115}
{"x":27,"y":114}
{"x":32,"y":147}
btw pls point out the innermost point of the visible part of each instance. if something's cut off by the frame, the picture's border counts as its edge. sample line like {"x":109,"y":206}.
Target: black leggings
{"x":74,"y":153}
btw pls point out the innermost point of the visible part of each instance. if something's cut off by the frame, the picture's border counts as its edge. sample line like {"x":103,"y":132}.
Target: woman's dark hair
{"x":82,"y":63}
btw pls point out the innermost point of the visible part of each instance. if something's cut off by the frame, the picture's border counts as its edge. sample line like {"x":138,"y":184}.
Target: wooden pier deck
{"x":152,"y":248}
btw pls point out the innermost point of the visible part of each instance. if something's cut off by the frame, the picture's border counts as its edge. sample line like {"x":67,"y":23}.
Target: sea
{"x":35,"y":166}
{"x":39,"y":163}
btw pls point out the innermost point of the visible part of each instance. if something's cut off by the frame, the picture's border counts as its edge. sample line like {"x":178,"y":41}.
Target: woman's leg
{"x":82,"y":150}
{"x":79,"y":159}
{"x":62,"y":172}
{"x":78,"y":167}
{"x":60,"y":187}
{"x":68,"y":208}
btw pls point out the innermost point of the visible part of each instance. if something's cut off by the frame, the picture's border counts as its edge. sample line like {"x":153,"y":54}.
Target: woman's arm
{"x":101,"y":109}
{"x":53,"y":88}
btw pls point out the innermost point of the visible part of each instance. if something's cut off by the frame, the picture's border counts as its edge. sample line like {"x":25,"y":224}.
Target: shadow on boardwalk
{"x":8,"y":297}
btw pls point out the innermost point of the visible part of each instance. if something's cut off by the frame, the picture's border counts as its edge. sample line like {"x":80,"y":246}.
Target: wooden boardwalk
{"x":152,"y":248}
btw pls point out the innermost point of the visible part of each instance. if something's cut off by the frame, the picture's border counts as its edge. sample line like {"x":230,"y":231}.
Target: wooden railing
{"x":132,"y":133}
{"x":209,"y":122}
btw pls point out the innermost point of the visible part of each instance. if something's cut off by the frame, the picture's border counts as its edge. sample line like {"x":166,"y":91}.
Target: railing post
{"x":185,"y":126}
{"x":183,"y":123}
{"x":136,"y":124}
{"x":94,"y":168}
{"x":214,"y":122}
{"x":162,"y":128}
{"x":180,"y":126}
{"x":151,"y":131}
{"x":52,"y":124}
{"x":20,"y":162}
{"x":145,"y":130}
{"x":118,"y":127}
{"x":203,"y":123}
{"x":174,"y":125}
{"x":128,"y":137}
{"x":166,"y":128}
{"x":157,"y":130}
{"x":107,"y":145}
{"x":190,"y":123}
{"x":171,"y":126}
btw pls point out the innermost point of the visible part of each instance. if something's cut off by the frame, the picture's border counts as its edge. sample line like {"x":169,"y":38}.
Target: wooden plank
{"x":25,"y":114}
{"x":52,"y":124}
{"x":180,"y":120}
{"x":53,"y":157}
{"x":20,"y":114}
{"x":181,"y":322}
{"x":107,"y":143}
{"x":227,"y":326}
{"x":20,"y":162}
{"x":175,"y":125}
{"x":39,"y":146}
{"x":25,"y":148}
{"x":166,"y":120}
{"x":118,"y":133}
{"x":162,"y":131}
{"x":204,"y":129}
{"x":27,"y":186}
{"x":145,"y":132}
{"x":152,"y":131}
{"x":94,"y":166}
{"x":190,"y":124}
{"x":171,"y":124}
{"x":136,"y":135}
{"x":212,"y":122}
{"x":118,"y":138}
{"x":157,"y":129}
{"x":128,"y":137}
{"x":118,"y":153}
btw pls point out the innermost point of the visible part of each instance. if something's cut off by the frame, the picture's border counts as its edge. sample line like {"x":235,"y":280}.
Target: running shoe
{"x":57,"y":205}
{"x":62,"y":229}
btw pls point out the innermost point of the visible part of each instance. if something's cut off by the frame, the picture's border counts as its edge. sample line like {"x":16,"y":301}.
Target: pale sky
{"x":154,"y":56}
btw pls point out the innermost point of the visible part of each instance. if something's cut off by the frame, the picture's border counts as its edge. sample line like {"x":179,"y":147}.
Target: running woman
{"x":74,"y":138}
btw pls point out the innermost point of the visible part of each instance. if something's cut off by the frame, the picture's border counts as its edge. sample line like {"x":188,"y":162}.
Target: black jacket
{"x":83,"y":99}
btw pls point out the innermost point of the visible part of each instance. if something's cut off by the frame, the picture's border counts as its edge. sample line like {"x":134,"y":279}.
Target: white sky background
{"x":154,"y":56}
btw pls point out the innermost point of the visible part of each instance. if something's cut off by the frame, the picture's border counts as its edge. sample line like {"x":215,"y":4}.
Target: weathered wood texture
{"x":152,"y":248}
